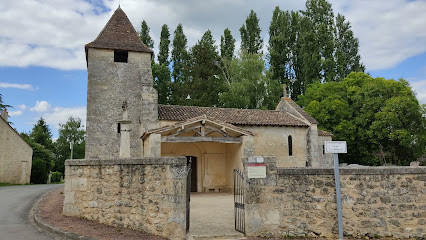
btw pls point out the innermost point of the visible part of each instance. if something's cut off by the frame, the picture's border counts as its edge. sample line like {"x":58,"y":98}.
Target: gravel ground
{"x":51,"y":212}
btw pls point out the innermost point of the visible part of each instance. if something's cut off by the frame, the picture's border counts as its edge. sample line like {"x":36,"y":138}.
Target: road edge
{"x":42,"y":226}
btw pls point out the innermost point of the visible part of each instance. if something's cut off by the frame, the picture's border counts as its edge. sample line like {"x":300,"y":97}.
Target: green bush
{"x":56,"y":177}
{"x":39,"y":172}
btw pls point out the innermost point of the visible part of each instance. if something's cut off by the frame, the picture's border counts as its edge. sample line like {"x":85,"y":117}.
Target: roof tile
{"x":119,"y":34}
{"x":230,"y":115}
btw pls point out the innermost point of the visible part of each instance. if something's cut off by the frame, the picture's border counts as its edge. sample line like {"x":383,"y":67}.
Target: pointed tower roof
{"x":119,"y":34}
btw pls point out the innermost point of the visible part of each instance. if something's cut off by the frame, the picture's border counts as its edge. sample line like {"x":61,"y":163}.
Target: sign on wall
{"x":256,"y":168}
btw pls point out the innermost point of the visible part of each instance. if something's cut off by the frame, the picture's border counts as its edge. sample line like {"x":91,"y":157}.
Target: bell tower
{"x":119,"y":70}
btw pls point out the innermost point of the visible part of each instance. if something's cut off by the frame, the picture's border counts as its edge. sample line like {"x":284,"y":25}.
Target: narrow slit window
{"x":290,"y":146}
{"x":121,"y":56}
{"x":323,"y":149}
{"x":118,"y":127}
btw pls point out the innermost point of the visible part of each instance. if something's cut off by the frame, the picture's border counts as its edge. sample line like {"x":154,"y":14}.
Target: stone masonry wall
{"x":146,"y":194}
{"x":376,"y":201}
{"x":15,"y":156}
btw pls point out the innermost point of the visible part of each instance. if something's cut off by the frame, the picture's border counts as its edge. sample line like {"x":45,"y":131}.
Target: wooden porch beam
{"x":173,"y":139}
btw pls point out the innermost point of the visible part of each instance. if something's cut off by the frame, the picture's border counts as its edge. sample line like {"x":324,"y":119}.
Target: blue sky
{"x":42,"y":63}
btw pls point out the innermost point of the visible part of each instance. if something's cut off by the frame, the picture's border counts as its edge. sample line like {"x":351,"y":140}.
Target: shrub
{"x":39,"y":172}
{"x":56,"y":177}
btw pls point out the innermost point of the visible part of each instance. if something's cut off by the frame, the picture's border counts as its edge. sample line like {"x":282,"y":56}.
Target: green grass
{"x":2,"y":184}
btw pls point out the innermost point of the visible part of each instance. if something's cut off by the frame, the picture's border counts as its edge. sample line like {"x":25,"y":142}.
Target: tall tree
{"x":163,"y":55}
{"x":321,"y":16}
{"x":162,"y":82}
{"x":279,"y":46}
{"x":347,"y":57}
{"x":227,"y":45}
{"x":72,"y":131}
{"x":373,"y":115}
{"x":144,"y":35}
{"x":251,"y":41}
{"x":41,"y":134}
{"x":204,"y":73}
{"x":179,"y":60}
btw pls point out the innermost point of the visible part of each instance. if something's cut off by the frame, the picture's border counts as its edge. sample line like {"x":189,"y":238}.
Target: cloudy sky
{"x":42,"y":63}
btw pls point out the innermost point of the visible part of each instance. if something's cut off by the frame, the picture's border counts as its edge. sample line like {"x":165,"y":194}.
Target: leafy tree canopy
{"x":227,"y":44}
{"x":248,"y":85}
{"x":381,"y":120}
{"x":144,"y":35}
{"x":71,"y":131}
{"x":41,"y":134}
{"x":251,"y":40}
{"x":163,"y":55}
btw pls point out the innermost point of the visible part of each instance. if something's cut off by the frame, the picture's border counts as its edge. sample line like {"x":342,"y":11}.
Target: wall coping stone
{"x":128,"y":161}
{"x":353,"y":171}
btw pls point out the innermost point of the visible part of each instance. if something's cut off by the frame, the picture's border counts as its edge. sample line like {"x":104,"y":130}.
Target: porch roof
{"x":201,"y":126}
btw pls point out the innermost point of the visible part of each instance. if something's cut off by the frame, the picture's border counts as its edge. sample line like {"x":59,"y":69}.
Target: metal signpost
{"x":337,"y":147}
{"x":71,"y":147}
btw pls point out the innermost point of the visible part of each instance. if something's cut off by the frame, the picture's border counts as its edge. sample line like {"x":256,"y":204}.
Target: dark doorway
{"x":193,"y":161}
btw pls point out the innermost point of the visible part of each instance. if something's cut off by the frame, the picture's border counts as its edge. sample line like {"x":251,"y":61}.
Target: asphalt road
{"x":15,"y":205}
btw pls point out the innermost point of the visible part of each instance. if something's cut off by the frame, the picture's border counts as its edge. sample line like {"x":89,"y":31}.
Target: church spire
{"x":119,"y":34}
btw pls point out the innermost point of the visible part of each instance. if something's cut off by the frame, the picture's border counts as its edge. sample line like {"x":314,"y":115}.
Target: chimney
{"x":4,"y":114}
{"x":284,"y":90}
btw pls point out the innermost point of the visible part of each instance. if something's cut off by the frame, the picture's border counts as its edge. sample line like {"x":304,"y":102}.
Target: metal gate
{"x":188,"y":193}
{"x":239,"y":201}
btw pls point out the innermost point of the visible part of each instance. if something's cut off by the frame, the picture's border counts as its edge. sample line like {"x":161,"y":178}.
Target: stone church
{"x":124,"y":119}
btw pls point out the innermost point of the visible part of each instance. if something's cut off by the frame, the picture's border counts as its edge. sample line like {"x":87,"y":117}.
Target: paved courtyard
{"x":212,"y":214}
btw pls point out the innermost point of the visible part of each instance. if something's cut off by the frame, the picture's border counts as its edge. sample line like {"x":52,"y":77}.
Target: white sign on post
{"x":335,"y":147}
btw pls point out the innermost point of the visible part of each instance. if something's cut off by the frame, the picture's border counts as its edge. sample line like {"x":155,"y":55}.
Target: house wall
{"x":272,"y":141}
{"x":15,"y":156}
{"x":109,"y":84}
{"x":300,"y":202}
{"x":147,"y":194}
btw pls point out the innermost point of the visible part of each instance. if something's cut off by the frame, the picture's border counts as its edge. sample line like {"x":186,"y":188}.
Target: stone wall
{"x":109,"y":84}
{"x":146,"y":194}
{"x":15,"y":156}
{"x":376,"y":201}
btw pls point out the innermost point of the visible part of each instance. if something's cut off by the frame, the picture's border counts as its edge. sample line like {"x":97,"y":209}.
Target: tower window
{"x":290,"y":146}
{"x":121,"y":56}
{"x":118,"y":127}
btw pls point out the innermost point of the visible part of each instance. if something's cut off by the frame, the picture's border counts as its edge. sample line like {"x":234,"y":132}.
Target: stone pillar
{"x":152,"y":146}
{"x":313,"y":152}
{"x":125,"y":133}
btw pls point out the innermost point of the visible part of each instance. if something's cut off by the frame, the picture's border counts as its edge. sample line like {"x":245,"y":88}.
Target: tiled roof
{"x":301,"y":111}
{"x":230,"y":115}
{"x":119,"y":34}
{"x":324,"y":133}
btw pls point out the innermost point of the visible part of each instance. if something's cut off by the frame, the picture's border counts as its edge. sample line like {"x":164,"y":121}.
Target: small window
{"x":118,"y":127}
{"x":323,"y":149}
{"x":120,"y":56}
{"x":290,"y":146}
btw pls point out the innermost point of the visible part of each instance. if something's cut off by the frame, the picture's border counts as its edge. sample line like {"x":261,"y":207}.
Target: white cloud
{"x":60,"y":115}
{"x":419,"y":87}
{"x":22,"y":107}
{"x":16,"y":85}
{"x":40,"y":106}
{"x":16,"y":113}
{"x":389,"y":31}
